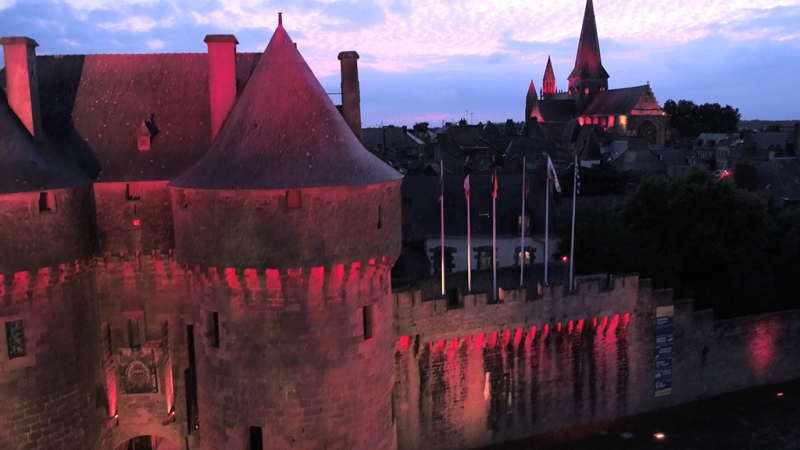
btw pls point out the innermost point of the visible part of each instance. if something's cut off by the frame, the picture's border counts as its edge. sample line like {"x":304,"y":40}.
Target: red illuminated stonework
{"x":229,"y":288}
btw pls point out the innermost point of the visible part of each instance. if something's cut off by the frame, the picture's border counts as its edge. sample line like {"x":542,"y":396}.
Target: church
{"x":620,"y":113}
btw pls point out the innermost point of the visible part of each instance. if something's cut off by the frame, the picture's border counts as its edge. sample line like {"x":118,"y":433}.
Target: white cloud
{"x":134,"y":24}
{"x":155,"y":44}
{"x":91,"y":5}
{"x":7,"y":4}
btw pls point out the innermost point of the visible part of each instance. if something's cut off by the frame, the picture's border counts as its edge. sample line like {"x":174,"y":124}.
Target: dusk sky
{"x":434,"y":60}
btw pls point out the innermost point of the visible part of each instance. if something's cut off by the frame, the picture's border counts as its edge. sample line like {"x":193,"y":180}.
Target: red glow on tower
{"x":570,"y":327}
{"x":136,"y":222}
{"x":402,"y":346}
{"x":531,"y":334}
{"x":506,"y":338}
{"x":493,"y":339}
{"x":479,"y":341}
{"x":440,"y":345}
{"x":545,"y":331}
{"x":762,"y":349}
{"x":518,"y":337}
{"x":594,"y":322}
{"x":614,"y":322}
{"x":558,"y":327}
{"x":580,"y":326}
{"x":626,"y":319}
{"x":453,"y":347}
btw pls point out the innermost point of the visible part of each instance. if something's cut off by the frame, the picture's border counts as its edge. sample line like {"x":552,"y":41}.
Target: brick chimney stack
{"x":221,"y":78}
{"x":22,"y":86}
{"x":351,"y":95}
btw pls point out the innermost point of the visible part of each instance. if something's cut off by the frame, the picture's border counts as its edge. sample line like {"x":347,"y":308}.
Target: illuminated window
{"x":47,"y":202}
{"x":586,"y":91}
{"x":133,"y":192}
{"x":15,"y":338}
{"x":143,"y":139}
{"x":367,"y":317}
{"x":484,"y":257}
{"x":256,"y":439}
{"x":213,"y":329}
{"x":293,"y":199}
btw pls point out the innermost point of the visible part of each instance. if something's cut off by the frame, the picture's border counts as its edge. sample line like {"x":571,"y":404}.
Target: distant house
{"x":421,"y":220}
{"x":396,"y":144}
{"x":779,"y":180}
{"x":634,"y":156}
{"x":677,"y":160}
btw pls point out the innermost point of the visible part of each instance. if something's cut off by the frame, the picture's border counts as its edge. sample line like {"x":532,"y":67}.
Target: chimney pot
{"x":221,"y":78}
{"x":351,"y":95}
{"x":22,"y":87}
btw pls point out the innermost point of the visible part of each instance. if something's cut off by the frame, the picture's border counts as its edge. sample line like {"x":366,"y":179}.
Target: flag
{"x":551,"y":174}
{"x":494,"y":182}
{"x":466,"y":186}
{"x":526,"y":183}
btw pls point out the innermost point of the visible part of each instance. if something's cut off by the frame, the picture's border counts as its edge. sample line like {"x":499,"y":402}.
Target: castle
{"x":632,"y":111}
{"x":195,"y":253}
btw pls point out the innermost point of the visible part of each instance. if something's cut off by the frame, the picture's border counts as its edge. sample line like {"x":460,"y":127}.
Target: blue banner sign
{"x":665,"y":327}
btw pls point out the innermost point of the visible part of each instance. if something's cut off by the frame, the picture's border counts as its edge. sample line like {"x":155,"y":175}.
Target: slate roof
{"x":622,"y":101}
{"x":587,"y":62}
{"x":26,"y":166}
{"x":423,"y":192}
{"x":775,"y":139}
{"x":780,"y":178}
{"x":548,"y":71}
{"x":622,"y":157}
{"x":93,"y":107}
{"x":284,"y":132}
{"x":674,"y":157}
{"x":555,"y":110}
{"x":393,"y":137}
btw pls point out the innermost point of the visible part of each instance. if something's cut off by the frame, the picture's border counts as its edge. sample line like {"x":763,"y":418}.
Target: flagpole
{"x":572,"y":239}
{"x":469,"y":241}
{"x":546,"y":225}
{"x":522,"y":223}
{"x":494,"y":232}
{"x":441,"y":209}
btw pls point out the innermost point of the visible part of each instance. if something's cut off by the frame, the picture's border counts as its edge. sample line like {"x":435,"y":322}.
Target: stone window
{"x":47,"y":202}
{"x":293,"y":199}
{"x":528,"y":257}
{"x":134,"y":333}
{"x":256,"y":441}
{"x":484,"y":257}
{"x":367,"y":318}
{"x":213,"y":329}
{"x":449,"y":264}
{"x":133,"y":192}
{"x":379,"y":218}
{"x":15,"y":339}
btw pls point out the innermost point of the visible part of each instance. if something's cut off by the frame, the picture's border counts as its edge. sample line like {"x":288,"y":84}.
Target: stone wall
{"x":50,"y":383}
{"x":477,"y":373}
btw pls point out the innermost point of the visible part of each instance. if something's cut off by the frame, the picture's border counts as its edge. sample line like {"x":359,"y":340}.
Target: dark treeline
{"x":703,"y":237}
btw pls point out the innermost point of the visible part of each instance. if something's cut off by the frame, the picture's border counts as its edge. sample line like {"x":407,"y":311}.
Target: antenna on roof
{"x":280,"y":18}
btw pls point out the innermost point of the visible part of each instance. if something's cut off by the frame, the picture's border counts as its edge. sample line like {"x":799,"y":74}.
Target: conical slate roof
{"x":548,"y":71}
{"x":587,"y":61}
{"x":284,"y":133}
{"x":28,"y":167}
{"x":532,"y":90}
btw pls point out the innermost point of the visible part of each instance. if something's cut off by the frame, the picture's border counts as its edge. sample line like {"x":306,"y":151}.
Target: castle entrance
{"x":148,"y":443}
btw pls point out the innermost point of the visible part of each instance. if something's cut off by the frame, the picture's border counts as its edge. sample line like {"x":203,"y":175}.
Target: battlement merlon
{"x":434,"y":319}
{"x":31,"y":281}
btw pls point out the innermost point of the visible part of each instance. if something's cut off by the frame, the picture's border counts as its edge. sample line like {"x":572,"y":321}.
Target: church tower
{"x":549,"y":80}
{"x":531,"y":100}
{"x":289,"y":228}
{"x":588,"y":76}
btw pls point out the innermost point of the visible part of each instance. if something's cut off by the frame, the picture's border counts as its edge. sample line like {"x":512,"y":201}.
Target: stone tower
{"x":290,"y":228}
{"x":549,"y":80}
{"x":588,"y":76}
{"x":47,"y":313}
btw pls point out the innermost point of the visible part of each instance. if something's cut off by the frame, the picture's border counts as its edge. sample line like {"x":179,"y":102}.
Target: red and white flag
{"x":466,"y":186}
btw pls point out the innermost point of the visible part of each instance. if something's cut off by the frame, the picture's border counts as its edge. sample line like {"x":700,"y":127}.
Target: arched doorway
{"x":148,"y":443}
{"x":648,"y":130}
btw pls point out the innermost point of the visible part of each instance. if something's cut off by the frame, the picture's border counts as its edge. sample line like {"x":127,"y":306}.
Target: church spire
{"x":588,"y":76}
{"x":549,"y":80}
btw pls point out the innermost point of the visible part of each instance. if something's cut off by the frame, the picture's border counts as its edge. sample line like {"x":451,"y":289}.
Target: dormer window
{"x":47,"y":202}
{"x":143,"y":138}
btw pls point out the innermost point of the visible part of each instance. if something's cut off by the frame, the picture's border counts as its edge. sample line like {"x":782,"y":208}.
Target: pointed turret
{"x":284,"y":132}
{"x":549,"y":80}
{"x":588,"y":76}
{"x":530,"y":100}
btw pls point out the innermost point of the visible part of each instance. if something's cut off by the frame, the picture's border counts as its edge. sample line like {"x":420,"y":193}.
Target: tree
{"x":421,"y":127}
{"x":703,"y":237}
{"x":691,"y":119}
{"x":600,"y":179}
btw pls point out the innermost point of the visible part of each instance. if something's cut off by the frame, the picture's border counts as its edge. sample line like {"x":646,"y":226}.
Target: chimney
{"x":351,"y":95}
{"x":796,"y":139}
{"x":22,"y":87}
{"x":221,"y":78}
